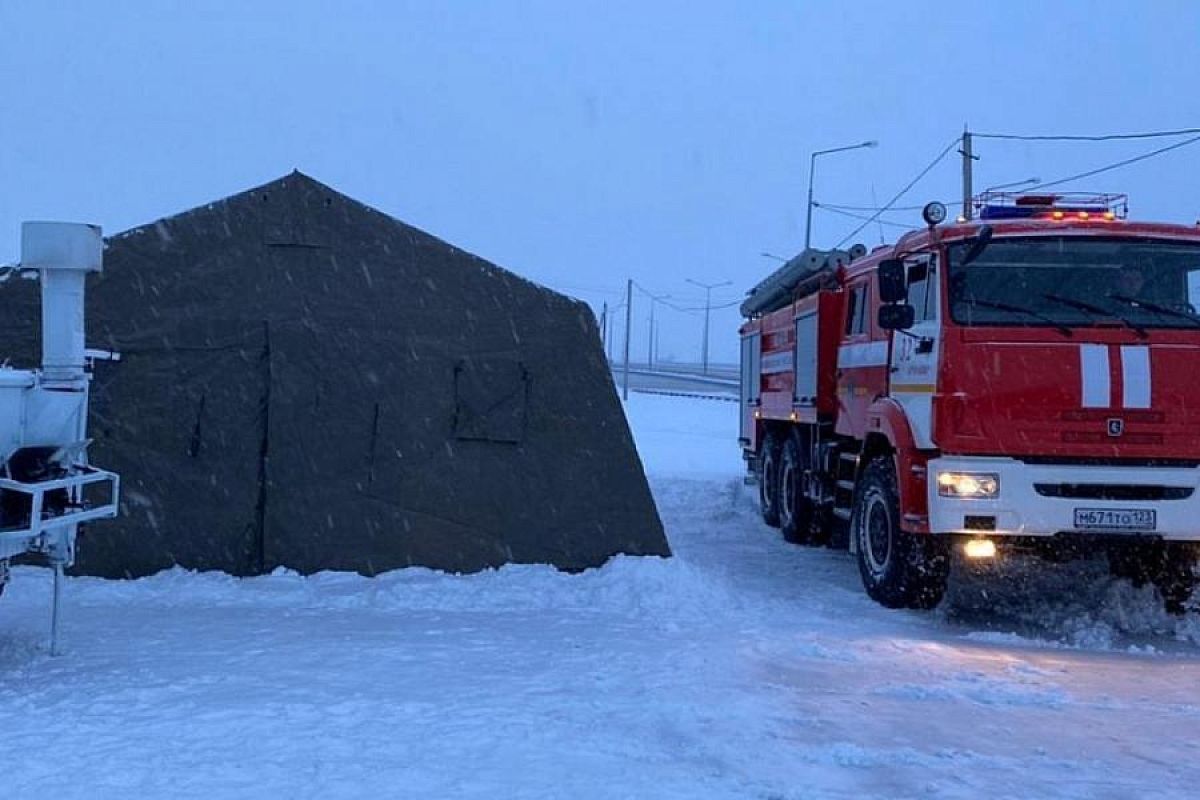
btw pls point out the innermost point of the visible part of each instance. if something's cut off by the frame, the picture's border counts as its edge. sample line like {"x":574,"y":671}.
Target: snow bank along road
{"x":676,"y":382}
{"x":742,"y":668}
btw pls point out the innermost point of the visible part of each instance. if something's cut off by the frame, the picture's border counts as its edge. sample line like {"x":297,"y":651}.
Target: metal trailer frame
{"x":53,"y":535}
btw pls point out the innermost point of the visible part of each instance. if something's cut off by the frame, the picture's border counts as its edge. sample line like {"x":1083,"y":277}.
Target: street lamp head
{"x":812,"y":162}
{"x":711,"y":286}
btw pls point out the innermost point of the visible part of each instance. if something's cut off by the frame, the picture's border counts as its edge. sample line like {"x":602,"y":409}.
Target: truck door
{"x":862,"y":360}
{"x":915,"y":351}
{"x":751,"y":388}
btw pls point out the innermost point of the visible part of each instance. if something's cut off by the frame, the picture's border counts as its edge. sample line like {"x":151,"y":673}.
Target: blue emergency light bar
{"x":1066,"y":206}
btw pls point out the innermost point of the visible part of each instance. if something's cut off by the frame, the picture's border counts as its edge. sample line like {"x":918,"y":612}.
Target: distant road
{"x":720,"y":382}
{"x":729,"y":372}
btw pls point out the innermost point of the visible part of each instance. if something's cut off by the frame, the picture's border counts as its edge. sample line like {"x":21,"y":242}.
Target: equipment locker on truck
{"x":1027,"y":380}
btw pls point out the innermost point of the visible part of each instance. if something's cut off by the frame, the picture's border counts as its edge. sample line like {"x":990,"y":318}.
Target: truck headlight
{"x":970,"y":485}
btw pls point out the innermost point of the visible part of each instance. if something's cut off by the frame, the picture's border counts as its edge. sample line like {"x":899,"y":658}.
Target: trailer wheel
{"x":796,"y":511}
{"x":899,"y":569}
{"x":768,"y":480}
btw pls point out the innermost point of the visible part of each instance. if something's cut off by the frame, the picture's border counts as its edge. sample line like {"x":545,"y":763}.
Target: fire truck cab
{"x":1028,"y":380}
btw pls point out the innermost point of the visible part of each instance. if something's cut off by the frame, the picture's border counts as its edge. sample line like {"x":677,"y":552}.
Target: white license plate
{"x":1119,"y":519}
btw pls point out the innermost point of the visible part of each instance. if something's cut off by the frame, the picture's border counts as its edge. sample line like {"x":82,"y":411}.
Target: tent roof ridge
{"x":292,"y":183}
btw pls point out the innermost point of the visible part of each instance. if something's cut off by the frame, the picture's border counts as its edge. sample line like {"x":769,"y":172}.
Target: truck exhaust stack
{"x":47,"y":487}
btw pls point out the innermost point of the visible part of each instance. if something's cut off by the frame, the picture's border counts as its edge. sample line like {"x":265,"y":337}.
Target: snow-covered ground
{"x":743,"y":667}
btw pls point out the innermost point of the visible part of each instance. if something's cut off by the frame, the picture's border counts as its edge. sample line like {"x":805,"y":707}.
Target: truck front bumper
{"x":1051,"y":499}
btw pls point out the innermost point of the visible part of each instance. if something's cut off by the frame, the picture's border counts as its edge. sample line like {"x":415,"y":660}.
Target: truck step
{"x":842,"y":513}
{"x":847,"y":485}
{"x":848,"y":457}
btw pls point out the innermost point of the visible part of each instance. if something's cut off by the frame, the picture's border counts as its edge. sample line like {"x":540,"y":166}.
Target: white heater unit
{"x":47,"y":487}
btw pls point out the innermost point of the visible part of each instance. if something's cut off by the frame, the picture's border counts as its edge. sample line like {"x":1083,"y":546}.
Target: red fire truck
{"x":1026,"y":380}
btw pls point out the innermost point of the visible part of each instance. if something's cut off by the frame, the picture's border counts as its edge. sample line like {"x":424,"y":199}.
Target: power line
{"x":1047,"y":184}
{"x":567,"y":288}
{"x":692,"y":302}
{"x":660,"y":298}
{"x":1110,"y":137}
{"x":953,"y":143}
{"x":664,"y":299}
{"x":873,"y":208}
{"x":840,"y":207}
{"x":852,"y":215}
{"x":681,"y":309}
{"x":729,"y":304}
{"x":646,"y":291}
{"x":1116,"y":165}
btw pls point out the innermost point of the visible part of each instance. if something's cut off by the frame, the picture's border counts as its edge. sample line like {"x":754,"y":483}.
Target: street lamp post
{"x":707,"y":287}
{"x":650,"y":349}
{"x":812,"y":163}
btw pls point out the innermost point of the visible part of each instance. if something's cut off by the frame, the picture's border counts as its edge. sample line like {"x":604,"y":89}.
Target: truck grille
{"x":1112,"y":491}
{"x":1104,"y":461}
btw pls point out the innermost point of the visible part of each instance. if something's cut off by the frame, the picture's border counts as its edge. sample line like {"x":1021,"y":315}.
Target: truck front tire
{"x":899,"y":569}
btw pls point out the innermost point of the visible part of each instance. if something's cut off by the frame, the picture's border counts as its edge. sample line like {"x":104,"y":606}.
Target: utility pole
{"x":707,"y":287}
{"x":650,"y":347}
{"x":967,"y":158}
{"x":604,"y":329}
{"x":628,"y":325}
{"x":608,"y":339}
{"x":650,"y":338}
{"x":612,"y":336}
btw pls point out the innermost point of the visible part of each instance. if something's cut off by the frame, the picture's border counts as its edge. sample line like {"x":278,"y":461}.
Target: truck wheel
{"x":1174,"y":576}
{"x":768,"y":480}
{"x":899,"y":569}
{"x":1171,"y":567}
{"x":1131,"y":562}
{"x":796,"y":512}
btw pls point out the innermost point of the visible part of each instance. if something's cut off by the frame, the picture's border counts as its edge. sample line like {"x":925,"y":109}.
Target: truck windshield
{"x":1076,"y":282}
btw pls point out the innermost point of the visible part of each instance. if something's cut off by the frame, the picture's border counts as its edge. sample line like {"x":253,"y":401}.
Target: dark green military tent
{"x":307,"y":382}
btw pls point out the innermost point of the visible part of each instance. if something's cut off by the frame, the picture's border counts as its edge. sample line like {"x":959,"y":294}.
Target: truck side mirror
{"x":897,"y":317}
{"x":892,"y":286}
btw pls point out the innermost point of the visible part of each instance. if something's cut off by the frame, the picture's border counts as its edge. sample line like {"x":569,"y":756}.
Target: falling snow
{"x":743,"y":667}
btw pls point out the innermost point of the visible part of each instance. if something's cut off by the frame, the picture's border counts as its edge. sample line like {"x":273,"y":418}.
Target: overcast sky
{"x":582,"y":143}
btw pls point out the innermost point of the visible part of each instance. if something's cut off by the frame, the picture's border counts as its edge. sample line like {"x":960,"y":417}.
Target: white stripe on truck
{"x":1135,"y":375}
{"x":867,"y":354}
{"x":1093,"y":369}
